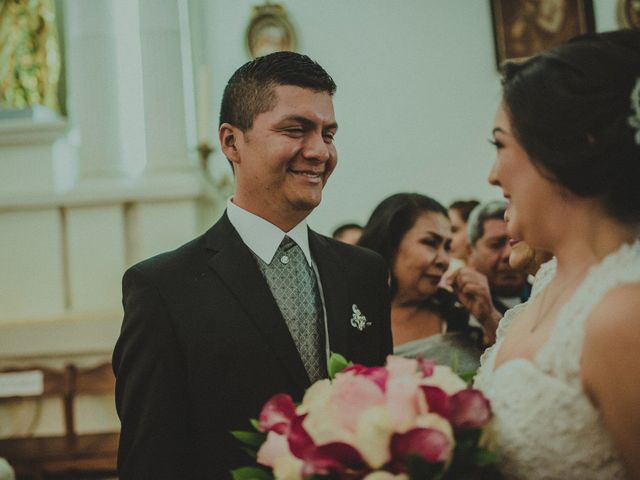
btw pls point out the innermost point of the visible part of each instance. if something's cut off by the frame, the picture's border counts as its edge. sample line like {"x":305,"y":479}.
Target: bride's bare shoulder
{"x":609,"y":365}
{"x":612,"y":336}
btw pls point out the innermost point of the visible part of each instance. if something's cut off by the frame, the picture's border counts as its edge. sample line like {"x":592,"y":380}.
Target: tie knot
{"x":287,"y":243}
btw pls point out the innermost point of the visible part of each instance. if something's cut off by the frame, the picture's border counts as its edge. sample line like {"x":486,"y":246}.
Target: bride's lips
{"x":513,"y":241}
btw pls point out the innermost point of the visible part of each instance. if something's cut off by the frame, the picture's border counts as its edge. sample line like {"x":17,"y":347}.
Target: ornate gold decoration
{"x":629,"y":13}
{"x":269,"y":31}
{"x":29,"y":54}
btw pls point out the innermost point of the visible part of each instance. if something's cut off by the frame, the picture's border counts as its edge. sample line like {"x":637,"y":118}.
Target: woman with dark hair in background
{"x":562,"y":376}
{"x":413,"y":233}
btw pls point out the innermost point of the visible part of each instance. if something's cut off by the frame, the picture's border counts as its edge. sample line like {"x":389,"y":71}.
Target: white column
{"x":93,"y":87}
{"x":164,"y":111}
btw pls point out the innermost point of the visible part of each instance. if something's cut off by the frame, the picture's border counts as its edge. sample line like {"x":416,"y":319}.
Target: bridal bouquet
{"x":410,"y":420}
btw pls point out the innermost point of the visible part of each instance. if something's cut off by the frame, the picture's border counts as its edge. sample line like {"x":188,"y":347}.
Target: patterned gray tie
{"x":294,"y":287}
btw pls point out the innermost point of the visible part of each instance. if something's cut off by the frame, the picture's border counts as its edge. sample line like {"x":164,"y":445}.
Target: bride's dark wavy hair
{"x":569,"y":108}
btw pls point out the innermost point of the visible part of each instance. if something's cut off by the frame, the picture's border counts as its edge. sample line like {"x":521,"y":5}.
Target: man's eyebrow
{"x":307,"y":122}
{"x":498,"y":130}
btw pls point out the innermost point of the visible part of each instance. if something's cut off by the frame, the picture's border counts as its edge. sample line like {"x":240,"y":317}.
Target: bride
{"x":563,"y":376}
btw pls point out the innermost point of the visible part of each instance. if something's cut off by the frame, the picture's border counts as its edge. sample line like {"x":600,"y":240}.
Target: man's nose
{"x":505,"y":253}
{"x":316,"y":148}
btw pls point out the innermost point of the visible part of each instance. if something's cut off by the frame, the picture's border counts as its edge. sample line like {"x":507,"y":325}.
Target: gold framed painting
{"x":269,"y":31}
{"x":523,"y":28}
{"x":629,"y":13}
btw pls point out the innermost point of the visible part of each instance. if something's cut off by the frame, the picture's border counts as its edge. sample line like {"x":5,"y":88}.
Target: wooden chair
{"x":72,"y":456}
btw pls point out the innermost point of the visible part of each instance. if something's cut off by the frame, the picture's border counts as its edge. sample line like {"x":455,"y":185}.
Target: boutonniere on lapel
{"x":358,"y":320}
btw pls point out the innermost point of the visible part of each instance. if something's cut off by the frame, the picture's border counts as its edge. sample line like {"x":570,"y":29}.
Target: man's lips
{"x":310,"y":174}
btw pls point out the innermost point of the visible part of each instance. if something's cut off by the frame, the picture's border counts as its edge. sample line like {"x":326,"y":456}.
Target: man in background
{"x":489,"y":251}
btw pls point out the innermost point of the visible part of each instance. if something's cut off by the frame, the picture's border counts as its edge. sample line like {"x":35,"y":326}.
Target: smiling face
{"x":284,"y":160}
{"x":528,"y":193}
{"x":422,"y":257}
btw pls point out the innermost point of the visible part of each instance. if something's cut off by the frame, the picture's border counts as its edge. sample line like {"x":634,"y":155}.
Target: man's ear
{"x":229,"y":135}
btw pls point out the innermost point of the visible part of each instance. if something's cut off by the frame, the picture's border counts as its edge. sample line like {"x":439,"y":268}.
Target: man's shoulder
{"x":173,"y":260}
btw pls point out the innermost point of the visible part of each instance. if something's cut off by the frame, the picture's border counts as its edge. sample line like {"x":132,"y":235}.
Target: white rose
{"x":316,"y":395}
{"x":432,"y":420}
{"x":386,"y":476}
{"x":288,"y":467}
{"x":373,"y":435}
{"x":323,"y":428}
{"x":444,"y":378}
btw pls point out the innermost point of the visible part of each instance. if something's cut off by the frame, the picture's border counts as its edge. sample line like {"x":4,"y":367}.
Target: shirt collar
{"x":261,"y":236}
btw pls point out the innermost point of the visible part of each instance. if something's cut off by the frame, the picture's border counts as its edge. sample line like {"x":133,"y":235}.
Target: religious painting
{"x":629,"y":13}
{"x":523,"y":28}
{"x":269,"y":31}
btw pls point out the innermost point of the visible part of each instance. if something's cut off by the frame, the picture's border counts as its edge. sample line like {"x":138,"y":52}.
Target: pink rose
{"x":426,"y":366}
{"x":277,"y":413}
{"x":351,"y":396}
{"x":377,"y":375}
{"x":340,"y":460}
{"x":437,"y":400}
{"x":469,"y":409}
{"x":428,"y":443}
{"x":300,"y":443}
{"x":274,"y":447}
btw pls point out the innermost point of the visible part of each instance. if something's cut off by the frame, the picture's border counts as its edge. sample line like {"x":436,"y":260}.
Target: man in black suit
{"x":204,"y":343}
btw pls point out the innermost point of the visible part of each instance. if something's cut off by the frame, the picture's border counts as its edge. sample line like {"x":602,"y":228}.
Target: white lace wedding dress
{"x":545,"y":426}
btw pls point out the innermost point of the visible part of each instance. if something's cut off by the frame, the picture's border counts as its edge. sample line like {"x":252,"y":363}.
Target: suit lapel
{"x":237,"y":268}
{"x":335,"y":290}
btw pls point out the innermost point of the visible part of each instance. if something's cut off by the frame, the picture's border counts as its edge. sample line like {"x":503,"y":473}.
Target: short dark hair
{"x":493,"y":210}
{"x":464,"y":207}
{"x":250,"y":90}
{"x":570,"y":107}
{"x":392,"y":219}
{"x":343,"y":228}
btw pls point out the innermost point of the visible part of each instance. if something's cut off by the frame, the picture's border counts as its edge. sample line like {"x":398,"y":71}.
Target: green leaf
{"x":252,"y":453}
{"x":455,"y":362}
{"x":336,"y":364}
{"x":250,"y":438}
{"x":251,"y":473}
{"x":484,"y":458}
{"x":255,"y":424}
{"x":467,"y":377}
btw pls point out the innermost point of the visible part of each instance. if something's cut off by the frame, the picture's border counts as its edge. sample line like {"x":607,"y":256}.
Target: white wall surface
{"x":417,"y":90}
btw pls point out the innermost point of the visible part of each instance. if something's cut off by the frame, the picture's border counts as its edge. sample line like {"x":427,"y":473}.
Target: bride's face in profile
{"x":529,"y":195}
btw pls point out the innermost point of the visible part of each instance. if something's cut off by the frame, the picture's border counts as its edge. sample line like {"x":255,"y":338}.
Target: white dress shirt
{"x":263,"y":238}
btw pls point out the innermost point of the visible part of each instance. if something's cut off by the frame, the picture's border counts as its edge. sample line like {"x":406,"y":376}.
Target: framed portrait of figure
{"x":269,"y":31}
{"x":523,"y":28}
{"x":629,"y":13}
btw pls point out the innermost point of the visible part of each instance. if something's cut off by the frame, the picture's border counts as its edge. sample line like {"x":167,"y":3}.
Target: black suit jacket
{"x":203,"y":345}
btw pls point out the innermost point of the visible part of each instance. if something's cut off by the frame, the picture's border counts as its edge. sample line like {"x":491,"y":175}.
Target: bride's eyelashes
{"x":496,"y":143}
